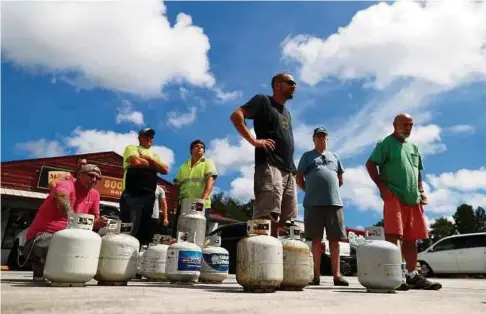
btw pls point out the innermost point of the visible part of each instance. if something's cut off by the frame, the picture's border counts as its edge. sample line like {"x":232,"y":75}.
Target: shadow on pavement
{"x":361,"y":290}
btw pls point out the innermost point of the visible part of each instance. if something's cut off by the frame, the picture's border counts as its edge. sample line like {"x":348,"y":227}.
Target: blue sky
{"x":85,"y":77}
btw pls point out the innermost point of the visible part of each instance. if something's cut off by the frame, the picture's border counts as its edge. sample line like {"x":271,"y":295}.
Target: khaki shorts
{"x":331,"y":218}
{"x":275,"y":194}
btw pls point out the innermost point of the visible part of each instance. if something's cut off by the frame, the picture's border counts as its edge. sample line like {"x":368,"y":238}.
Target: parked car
{"x":457,"y":254}
{"x":231,"y":234}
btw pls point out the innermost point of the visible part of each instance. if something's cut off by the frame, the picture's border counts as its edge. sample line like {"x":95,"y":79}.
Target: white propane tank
{"x":183,"y":260}
{"x":155,"y":258}
{"x":194,"y":222}
{"x":379,"y":262}
{"x":118,"y":256}
{"x":72,"y":259}
{"x":295,"y":261}
{"x":140,"y":261}
{"x":214,"y":262}
{"x":259,"y":259}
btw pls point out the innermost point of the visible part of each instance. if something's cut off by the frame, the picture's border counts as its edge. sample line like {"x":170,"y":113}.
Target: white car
{"x":457,"y":254}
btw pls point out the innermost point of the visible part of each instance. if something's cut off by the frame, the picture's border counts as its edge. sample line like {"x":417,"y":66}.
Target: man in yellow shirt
{"x":195,"y":180}
{"x":140,"y":168}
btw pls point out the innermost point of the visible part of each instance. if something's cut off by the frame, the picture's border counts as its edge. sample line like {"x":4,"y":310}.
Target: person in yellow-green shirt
{"x":140,"y":168}
{"x":195,"y":180}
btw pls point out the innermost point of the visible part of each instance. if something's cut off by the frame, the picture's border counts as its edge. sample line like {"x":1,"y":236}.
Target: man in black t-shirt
{"x":274,"y":182}
{"x":141,"y":166}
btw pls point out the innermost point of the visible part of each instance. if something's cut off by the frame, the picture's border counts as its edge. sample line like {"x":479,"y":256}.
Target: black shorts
{"x":331,"y":218}
{"x":138,"y":209}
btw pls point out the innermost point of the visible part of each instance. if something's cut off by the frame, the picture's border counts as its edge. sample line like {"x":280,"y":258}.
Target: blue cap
{"x":320,"y":131}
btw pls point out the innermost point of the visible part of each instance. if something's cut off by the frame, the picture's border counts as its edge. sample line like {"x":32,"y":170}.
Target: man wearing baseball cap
{"x":319,"y":175}
{"x":140,"y":167}
{"x":66,"y":198}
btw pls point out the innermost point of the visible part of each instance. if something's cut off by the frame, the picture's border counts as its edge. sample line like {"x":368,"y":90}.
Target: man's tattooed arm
{"x":64,"y":204}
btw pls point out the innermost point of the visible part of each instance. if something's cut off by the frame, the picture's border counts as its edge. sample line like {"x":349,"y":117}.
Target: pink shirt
{"x":49,"y":217}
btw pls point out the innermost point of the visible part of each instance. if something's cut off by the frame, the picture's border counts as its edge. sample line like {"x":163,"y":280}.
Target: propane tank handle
{"x":214,"y":241}
{"x":156,"y":238}
{"x":165,"y":239}
{"x":199,"y":205}
{"x":126,"y":228}
{"x":182,"y":236}
{"x":294,"y":232}
{"x":113,"y":226}
{"x":80,"y":221}
{"x":374,"y":233}
{"x":258,"y":227}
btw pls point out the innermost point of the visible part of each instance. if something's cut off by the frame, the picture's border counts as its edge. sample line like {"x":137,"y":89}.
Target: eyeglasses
{"x":93,"y":176}
{"x":290,"y":82}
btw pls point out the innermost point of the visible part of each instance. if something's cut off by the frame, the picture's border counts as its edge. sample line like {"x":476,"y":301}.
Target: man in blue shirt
{"x":319,"y":175}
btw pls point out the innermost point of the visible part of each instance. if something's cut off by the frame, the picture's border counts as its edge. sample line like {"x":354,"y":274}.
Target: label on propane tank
{"x":189,"y":261}
{"x":124,"y":250}
{"x":216,"y":261}
{"x":392,"y":270}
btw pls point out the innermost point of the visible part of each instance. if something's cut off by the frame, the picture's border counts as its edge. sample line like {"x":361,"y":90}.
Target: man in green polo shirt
{"x":394,"y":166}
{"x":195,"y":180}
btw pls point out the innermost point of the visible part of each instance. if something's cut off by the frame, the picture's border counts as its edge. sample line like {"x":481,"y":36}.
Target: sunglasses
{"x":93,"y":176}
{"x":148,"y":136}
{"x":290,"y":82}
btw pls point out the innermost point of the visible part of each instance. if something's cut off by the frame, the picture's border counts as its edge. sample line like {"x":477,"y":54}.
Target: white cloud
{"x":127,"y":114}
{"x":183,"y":93}
{"x":445,"y":191}
{"x":404,"y":39}
{"x":463,"y":180}
{"x":462,"y":128}
{"x":223,"y":96}
{"x":398,"y":49}
{"x":41,"y":148}
{"x":360,"y":191}
{"x":124,"y":46}
{"x":91,"y":141}
{"x":428,"y":139}
{"x":303,"y":136}
{"x":228,"y":157}
{"x":242,"y":187}
{"x":431,"y":221}
{"x":178,"y":120}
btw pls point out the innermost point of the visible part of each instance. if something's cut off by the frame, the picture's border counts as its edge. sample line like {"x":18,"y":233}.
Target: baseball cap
{"x":146,"y":131}
{"x":319,"y":131}
{"x":90,"y":168}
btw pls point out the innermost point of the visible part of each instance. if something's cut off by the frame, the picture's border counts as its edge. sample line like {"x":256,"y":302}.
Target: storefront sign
{"x":48,"y":173}
{"x":107,"y":186}
{"x":110,"y":187}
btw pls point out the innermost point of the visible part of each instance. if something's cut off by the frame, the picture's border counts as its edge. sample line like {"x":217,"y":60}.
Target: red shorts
{"x":407,"y":221}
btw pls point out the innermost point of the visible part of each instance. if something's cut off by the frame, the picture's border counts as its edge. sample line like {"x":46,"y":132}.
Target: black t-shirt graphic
{"x":272,"y":121}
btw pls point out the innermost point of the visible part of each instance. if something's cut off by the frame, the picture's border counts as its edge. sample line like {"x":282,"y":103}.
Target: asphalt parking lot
{"x":20,"y":295}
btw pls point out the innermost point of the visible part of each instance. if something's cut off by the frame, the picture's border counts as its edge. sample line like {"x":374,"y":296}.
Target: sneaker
{"x":403,"y":287}
{"x":422,"y":283}
{"x":340,"y":281}
{"x":38,"y":270}
{"x":316,"y":281}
